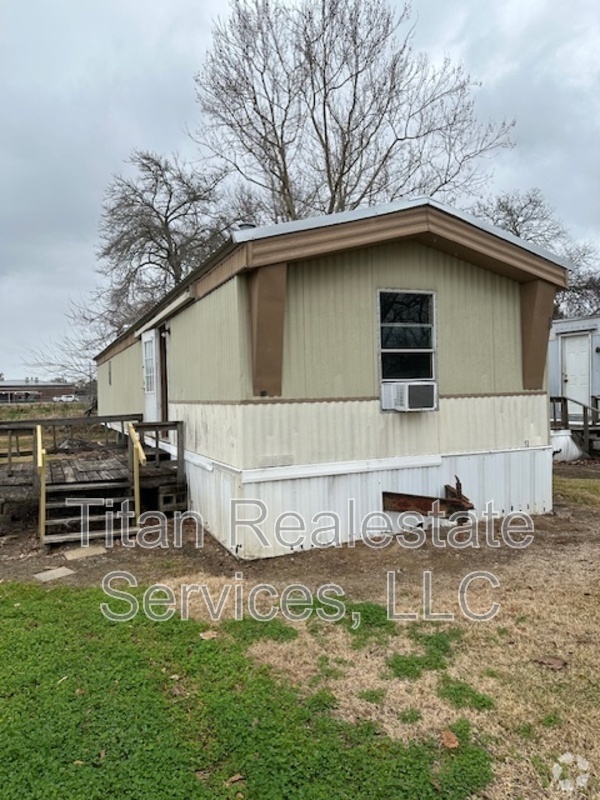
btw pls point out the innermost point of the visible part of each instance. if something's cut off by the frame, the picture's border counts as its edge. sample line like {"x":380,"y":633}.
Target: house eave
{"x":422,"y":219}
{"x":129,"y":336}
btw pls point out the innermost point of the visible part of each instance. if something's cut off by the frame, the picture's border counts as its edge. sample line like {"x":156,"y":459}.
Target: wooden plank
{"x":68,"y":522}
{"x":67,"y":421}
{"x":55,"y":504}
{"x":62,"y":538}
{"x":69,"y":474}
{"x":105,"y":475}
{"x":91,"y":487}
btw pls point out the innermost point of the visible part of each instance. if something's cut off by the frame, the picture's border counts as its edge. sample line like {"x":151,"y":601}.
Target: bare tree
{"x":156,"y":226}
{"x":325,"y":106}
{"x":528,"y":216}
{"x":70,"y":356}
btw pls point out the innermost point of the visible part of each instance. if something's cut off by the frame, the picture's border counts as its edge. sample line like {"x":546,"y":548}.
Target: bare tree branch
{"x":528,"y":216}
{"x":325,"y":106}
{"x":156,"y":226}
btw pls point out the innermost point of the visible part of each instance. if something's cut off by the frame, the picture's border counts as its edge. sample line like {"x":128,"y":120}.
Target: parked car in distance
{"x":65,"y":398}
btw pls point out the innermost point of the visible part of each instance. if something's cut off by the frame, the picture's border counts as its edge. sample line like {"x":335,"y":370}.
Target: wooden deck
{"x":88,"y":451}
{"x":96,"y":467}
{"x":106,"y":459}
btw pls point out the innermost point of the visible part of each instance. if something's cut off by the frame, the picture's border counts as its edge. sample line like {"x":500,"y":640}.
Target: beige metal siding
{"x":279,"y":434}
{"x":211,"y":430}
{"x":123,"y":393}
{"x":205,"y":349}
{"x":331,"y":346}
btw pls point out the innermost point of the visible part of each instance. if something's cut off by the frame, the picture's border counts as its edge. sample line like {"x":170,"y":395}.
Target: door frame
{"x":152,"y":399}
{"x":562,"y":364}
{"x":162,"y":361}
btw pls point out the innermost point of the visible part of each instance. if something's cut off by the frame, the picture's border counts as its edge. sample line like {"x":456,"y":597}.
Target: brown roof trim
{"x":426,"y":222}
{"x":430,"y":225}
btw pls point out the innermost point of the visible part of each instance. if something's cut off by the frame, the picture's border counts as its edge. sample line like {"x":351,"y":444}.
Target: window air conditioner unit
{"x":409,"y":396}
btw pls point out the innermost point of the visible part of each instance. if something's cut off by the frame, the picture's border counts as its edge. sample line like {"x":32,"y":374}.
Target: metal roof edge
{"x":241,"y":237}
{"x":343,"y":217}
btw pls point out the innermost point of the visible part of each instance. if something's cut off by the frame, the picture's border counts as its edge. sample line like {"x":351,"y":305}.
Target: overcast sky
{"x":84,"y":82}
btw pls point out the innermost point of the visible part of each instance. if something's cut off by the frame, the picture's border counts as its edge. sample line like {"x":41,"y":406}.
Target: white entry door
{"x":576,"y":370}
{"x":152,"y":378}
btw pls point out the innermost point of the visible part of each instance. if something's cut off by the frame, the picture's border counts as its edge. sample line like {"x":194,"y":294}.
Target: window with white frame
{"x":149,"y":369}
{"x":407,"y":335}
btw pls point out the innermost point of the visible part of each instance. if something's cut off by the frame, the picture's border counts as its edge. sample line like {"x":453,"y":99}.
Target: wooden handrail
{"x":139,"y":459}
{"x":590,"y":416}
{"x":561,"y":399}
{"x":39,"y":447}
{"x":153,"y":431}
{"x":40,"y":464}
{"x":137,"y":444}
{"x":65,"y":421}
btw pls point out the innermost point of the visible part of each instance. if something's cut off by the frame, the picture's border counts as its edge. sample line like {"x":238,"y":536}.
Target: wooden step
{"x":68,"y":522}
{"x":115,"y":507}
{"x":62,"y":538}
{"x":52,"y":488}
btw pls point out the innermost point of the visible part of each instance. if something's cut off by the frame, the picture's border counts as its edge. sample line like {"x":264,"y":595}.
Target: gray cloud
{"x":85,"y":83}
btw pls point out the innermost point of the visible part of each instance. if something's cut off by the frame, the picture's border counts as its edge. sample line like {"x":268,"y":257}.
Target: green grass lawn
{"x":577,"y":491}
{"x":20,"y":412}
{"x":92,"y":709}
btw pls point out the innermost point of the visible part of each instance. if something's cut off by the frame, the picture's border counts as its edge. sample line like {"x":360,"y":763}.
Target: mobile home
{"x":319,"y":363}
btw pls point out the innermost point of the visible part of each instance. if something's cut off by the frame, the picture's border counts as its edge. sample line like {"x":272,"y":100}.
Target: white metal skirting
{"x":514,"y":480}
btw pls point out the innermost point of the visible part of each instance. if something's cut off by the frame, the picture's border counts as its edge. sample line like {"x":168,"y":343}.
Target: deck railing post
{"x":42,"y":511}
{"x":136,"y":489}
{"x":139,"y":457}
{"x":130,"y":460}
{"x":586,"y":430}
{"x":180,"y":454}
{"x":40,"y":469}
{"x":564,"y":412}
{"x":34,"y":462}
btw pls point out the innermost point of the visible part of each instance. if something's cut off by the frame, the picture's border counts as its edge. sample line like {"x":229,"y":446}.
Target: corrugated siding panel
{"x":210,"y":494}
{"x":204,"y":349}
{"x":211,"y":430}
{"x":125,"y":393}
{"x":518,"y":480}
{"x":307,"y":433}
{"x":331,"y":322}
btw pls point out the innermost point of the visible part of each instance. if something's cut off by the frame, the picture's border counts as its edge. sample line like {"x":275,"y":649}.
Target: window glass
{"x":404,"y":366}
{"x":149,"y":366}
{"x":405,"y":307}
{"x":406,"y":336}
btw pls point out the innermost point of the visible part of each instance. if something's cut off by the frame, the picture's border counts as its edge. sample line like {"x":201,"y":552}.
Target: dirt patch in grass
{"x":550,"y":598}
